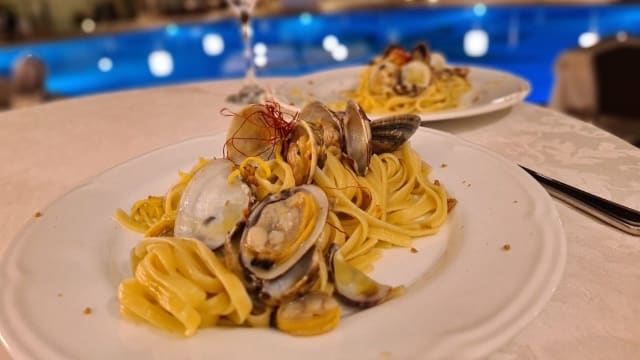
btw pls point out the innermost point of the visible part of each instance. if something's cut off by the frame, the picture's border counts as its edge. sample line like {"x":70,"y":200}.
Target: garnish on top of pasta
{"x":284,"y":226}
{"x":416,"y":82}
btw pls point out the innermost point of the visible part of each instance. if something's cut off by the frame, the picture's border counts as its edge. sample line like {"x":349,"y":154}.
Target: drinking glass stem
{"x":245,"y":23}
{"x":251,"y":92}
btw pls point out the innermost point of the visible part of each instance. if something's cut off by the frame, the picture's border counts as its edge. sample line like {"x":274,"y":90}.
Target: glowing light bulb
{"x":305,"y":18}
{"x":480,"y":9}
{"x":330,"y":42}
{"x":105,"y":64}
{"x":172,"y":29}
{"x":160,"y":63}
{"x":260,"y":60}
{"x":340,"y":53}
{"x":260,"y":49}
{"x":212,"y":44}
{"x":88,"y":25}
{"x":476,"y":43}
{"x":588,"y":39}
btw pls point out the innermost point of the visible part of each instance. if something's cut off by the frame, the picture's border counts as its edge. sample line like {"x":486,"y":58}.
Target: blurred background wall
{"x":52,"y":49}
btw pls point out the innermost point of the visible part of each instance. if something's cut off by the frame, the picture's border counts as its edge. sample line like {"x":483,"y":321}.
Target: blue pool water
{"x":524,"y":40}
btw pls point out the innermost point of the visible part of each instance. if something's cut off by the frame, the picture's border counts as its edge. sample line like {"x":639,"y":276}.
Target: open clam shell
{"x":303,"y":151}
{"x":211,"y":207}
{"x":357,"y":137}
{"x":383,"y":76}
{"x":249,"y":135}
{"x":326,"y":120}
{"x":352,"y":285}
{"x":415,"y":77}
{"x":281,"y":229}
{"x":296,"y":281}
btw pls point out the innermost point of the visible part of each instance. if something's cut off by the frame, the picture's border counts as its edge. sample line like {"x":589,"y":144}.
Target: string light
{"x":160,"y":63}
{"x":212,"y":44}
{"x":330,"y":42}
{"x":588,"y":39}
{"x":88,"y":25}
{"x":340,"y":53}
{"x":105,"y":64}
{"x":476,"y":43}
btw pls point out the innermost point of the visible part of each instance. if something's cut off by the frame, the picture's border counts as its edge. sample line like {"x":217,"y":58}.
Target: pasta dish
{"x":416,"y":82}
{"x":284,"y":227}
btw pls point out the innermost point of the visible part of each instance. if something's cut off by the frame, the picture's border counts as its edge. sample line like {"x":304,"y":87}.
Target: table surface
{"x":594,"y":314}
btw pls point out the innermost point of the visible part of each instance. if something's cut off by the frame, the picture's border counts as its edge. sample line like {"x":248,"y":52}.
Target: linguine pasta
{"x":180,"y":285}
{"x":316,"y":233}
{"x":401,"y":82}
{"x":444,"y":93}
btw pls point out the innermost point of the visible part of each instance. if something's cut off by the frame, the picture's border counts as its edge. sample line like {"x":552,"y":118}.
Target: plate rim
{"x":553,"y":275}
{"x":497,"y":104}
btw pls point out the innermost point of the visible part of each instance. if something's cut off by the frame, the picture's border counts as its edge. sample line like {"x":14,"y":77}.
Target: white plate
{"x":466,"y":296}
{"x":491,"y":90}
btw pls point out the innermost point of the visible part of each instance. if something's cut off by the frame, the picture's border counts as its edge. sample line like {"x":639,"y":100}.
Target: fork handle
{"x":619,"y":216}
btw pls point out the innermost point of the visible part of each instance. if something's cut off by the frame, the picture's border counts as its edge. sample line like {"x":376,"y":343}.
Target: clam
{"x":211,"y":207}
{"x":271,"y":292}
{"x":327,"y":123}
{"x":281,"y":229}
{"x":231,"y":255}
{"x":249,"y":135}
{"x":312,"y":314}
{"x":396,"y":54}
{"x":317,"y":131}
{"x":353,"y":286}
{"x":416,"y":75}
{"x":293,"y":283}
{"x":320,"y":130}
{"x":390,"y":132}
{"x":302,"y":151}
{"x":437,"y":61}
{"x":383,"y":77}
{"x":421,"y":53}
{"x":357,"y":138}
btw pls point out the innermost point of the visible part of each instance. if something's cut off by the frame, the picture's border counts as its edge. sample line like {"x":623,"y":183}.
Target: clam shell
{"x":303,"y":158}
{"x":312,"y":314}
{"x":210,"y":207}
{"x":390,"y":132}
{"x":327,"y":126}
{"x":357,"y":137}
{"x":257,"y":269}
{"x":421,"y":52}
{"x":248,"y":135}
{"x":352,"y":285}
{"x":383,"y":77}
{"x":296,"y":281}
{"x":416,"y":73}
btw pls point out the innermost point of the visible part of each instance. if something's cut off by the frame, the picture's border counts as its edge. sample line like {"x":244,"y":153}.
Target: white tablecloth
{"x":594,"y":313}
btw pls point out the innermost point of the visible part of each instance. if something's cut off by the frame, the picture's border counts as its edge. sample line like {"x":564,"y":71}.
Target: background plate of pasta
{"x":480,"y":90}
{"x":77,"y":284}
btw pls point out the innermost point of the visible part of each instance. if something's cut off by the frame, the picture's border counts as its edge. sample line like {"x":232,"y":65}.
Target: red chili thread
{"x":269,"y":116}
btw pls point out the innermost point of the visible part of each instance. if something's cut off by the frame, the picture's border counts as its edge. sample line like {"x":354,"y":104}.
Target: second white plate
{"x":491,"y":90}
